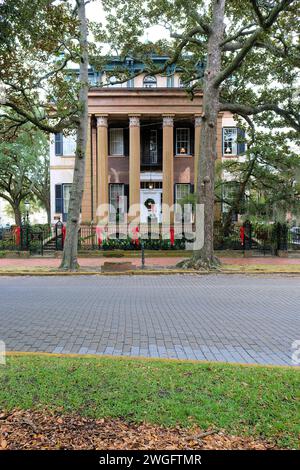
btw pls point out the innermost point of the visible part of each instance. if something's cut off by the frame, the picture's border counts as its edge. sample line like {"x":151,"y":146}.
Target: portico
{"x":141,"y":143}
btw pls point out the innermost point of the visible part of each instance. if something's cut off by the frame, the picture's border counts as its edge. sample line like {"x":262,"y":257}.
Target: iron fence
{"x":154,"y":236}
{"x":264,"y":240}
{"x":25,"y":238}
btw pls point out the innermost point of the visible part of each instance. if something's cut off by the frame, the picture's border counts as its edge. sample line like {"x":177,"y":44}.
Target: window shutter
{"x":174,"y":140}
{"x":58,"y":198}
{"x":159,"y":145}
{"x":126,"y":194}
{"x":59,"y":144}
{"x":126,"y":141}
{"x":108,"y":140}
{"x":192,"y":140}
{"x":192,"y":188}
{"x":223,"y":146}
{"x":174,"y":190}
{"x":241,"y":147}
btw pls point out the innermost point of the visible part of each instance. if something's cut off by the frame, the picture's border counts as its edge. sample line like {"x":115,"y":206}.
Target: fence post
{"x":143,"y":254}
{"x":59,"y":235}
{"x":247,"y":238}
{"x":281,"y":240}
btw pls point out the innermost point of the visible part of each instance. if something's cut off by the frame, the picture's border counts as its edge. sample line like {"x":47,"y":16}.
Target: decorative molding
{"x":62,"y":167}
{"x":102,"y":121}
{"x":151,"y":176}
{"x":168,"y":121}
{"x":198,"y":121}
{"x":134,"y":121}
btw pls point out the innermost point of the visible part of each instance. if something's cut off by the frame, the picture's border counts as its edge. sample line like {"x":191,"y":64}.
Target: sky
{"x":94,"y":12}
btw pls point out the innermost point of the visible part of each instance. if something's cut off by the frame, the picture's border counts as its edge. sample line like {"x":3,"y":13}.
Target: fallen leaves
{"x":45,"y":430}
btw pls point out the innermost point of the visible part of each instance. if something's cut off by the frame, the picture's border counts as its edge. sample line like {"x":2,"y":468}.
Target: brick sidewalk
{"x":155,"y":262}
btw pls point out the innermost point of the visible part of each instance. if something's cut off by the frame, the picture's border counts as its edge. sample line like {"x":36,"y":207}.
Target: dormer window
{"x":150,"y":81}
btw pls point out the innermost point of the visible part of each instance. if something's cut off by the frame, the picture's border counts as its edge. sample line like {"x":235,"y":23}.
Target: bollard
{"x":143,"y":254}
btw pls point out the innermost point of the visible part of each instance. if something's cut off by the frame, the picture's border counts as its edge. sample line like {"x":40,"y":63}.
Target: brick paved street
{"x":216,"y":317}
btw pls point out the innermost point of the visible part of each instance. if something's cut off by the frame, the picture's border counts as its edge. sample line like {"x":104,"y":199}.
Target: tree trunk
{"x":204,"y":258}
{"x":69,"y":260}
{"x":17,"y":214}
{"x":48,"y":210}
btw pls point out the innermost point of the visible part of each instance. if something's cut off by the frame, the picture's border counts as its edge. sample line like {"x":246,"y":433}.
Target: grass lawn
{"x":256,"y":401}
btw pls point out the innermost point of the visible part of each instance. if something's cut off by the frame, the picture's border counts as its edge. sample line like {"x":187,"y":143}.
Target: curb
{"x":97,"y":273}
{"x":143,"y":273}
{"x":144,"y":358}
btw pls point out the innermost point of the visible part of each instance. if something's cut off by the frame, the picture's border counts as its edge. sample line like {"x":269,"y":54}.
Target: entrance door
{"x":151,"y":205}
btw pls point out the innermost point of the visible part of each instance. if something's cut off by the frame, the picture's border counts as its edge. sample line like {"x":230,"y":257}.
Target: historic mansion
{"x":143,"y":143}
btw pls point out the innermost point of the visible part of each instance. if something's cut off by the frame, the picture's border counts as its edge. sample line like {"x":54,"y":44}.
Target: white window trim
{"x":188,"y":153}
{"x":64,"y":185}
{"x":110,"y":142}
{"x":151,"y":84}
{"x":235,"y":143}
{"x":180,"y":213}
{"x":123,"y":195}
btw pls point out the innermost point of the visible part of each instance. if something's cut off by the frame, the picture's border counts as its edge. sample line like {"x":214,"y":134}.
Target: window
{"x":59,"y":148}
{"x":182,"y":141}
{"x":92,"y":79}
{"x":153,"y":146}
{"x":170,"y":81}
{"x":183,"y":209}
{"x":130,"y":83}
{"x":65,"y":145}
{"x":62,"y":199}
{"x":230,"y":141}
{"x":117,"y":202}
{"x":150,"y":81}
{"x":66,"y":197}
{"x":230,"y":191}
{"x":116,"y":145}
{"x":69,"y":145}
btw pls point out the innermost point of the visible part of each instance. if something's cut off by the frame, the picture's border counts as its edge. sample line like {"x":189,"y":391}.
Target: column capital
{"x":134,"y":120}
{"x":102,"y":120}
{"x":168,"y":120}
{"x":198,"y":120}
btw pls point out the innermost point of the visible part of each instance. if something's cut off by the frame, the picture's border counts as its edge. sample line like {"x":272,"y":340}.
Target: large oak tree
{"x":250,"y":50}
{"x":40,"y":39}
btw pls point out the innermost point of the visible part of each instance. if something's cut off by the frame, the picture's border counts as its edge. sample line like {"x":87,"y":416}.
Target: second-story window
{"x":59,"y":145}
{"x":149,"y":81}
{"x":183,"y":141}
{"x":65,"y":145}
{"x":230,"y":146}
{"x":116,"y":142}
{"x":69,"y":145}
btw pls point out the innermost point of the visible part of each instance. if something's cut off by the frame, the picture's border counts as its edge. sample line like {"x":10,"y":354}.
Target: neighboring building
{"x":143,"y":143}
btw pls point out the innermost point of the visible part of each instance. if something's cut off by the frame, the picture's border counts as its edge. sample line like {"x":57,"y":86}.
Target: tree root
{"x":200,"y":264}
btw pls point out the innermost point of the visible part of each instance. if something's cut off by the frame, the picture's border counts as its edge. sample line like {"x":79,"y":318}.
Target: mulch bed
{"x":40,"y":430}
